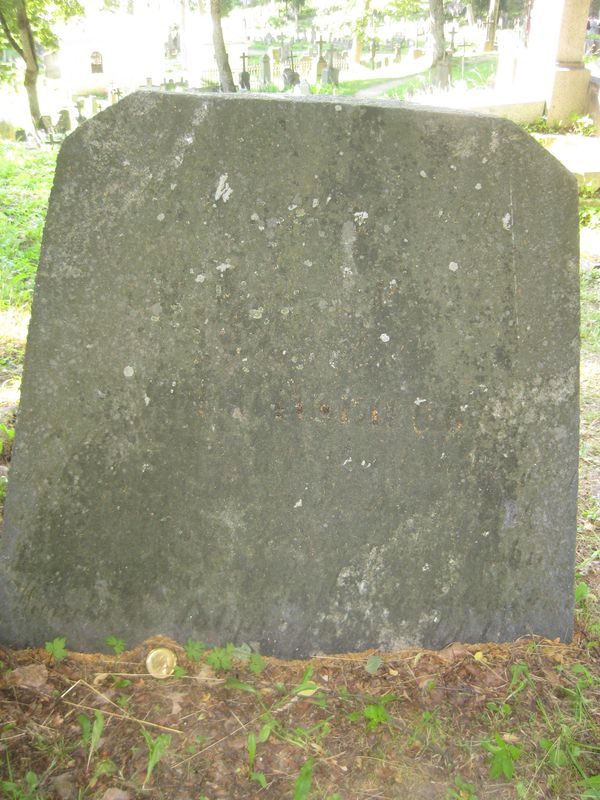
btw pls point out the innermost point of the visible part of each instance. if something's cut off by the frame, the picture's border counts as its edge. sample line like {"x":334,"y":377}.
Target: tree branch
{"x":11,"y":39}
{"x":27,"y":40}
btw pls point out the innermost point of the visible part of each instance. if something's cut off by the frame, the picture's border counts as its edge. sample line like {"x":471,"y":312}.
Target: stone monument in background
{"x":300,"y":373}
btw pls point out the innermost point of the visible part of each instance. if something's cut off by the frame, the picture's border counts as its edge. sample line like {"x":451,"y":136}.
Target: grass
{"x":497,"y":721}
{"x":25,"y":182}
{"x":477,"y":72}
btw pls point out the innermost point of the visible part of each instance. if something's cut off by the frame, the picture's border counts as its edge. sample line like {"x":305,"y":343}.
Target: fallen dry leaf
{"x":453,"y":652}
{"x":176,"y":700}
{"x":33,"y":676}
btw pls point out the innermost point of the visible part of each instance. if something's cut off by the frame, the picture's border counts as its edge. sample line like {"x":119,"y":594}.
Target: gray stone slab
{"x":302,"y":373}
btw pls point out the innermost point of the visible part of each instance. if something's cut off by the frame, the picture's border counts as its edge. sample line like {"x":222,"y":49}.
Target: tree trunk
{"x":31,"y":64}
{"x":436,"y":18}
{"x":360,"y":29}
{"x":225,"y":76}
{"x":492,"y":24}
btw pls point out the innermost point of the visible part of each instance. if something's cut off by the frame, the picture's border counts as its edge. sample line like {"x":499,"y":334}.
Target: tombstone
{"x":63,"y":124}
{"x":266,"y":70}
{"x":80,"y":105}
{"x":290,"y":78}
{"x":322,"y":402}
{"x":305,"y":65}
{"x":244,"y":75}
{"x":319,"y":64}
{"x":302,"y":88}
{"x":96,"y":62}
{"x":331,"y":74}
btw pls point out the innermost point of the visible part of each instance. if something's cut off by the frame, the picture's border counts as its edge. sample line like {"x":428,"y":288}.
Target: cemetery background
{"x":518,"y":720}
{"x":116,"y":46}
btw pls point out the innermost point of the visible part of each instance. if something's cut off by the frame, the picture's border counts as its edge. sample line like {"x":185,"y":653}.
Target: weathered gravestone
{"x":321,"y":413}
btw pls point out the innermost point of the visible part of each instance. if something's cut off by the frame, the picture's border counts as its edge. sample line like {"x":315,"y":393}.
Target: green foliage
{"x":95,"y":734}
{"x":373,"y":664}
{"x":43,"y":16}
{"x":7,"y":434}
{"x":13,"y":791}
{"x":118,"y":645}
{"x":374,"y":714}
{"x":56,"y":648}
{"x":590,"y":309}
{"x":25,"y":181}
{"x":86,"y":729}
{"x":257,"y":663}
{"x":222,"y":658}
{"x":306,"y":687}
{"x":156,"y":750}
{"x":477,"y":72}
{"x":405,"y":9}
{"x":502,"y":757}
{"x":304,"y":780}
{"x":104,"y":767}
{"x":461,"y":790}
{"x":582,"y":125}
{"x":259,"y":777}
{"x":194,"y":649}
{"x":589,"y":206}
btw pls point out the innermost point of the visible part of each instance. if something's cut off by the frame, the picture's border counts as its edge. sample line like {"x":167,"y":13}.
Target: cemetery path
{"x":379,"y":88}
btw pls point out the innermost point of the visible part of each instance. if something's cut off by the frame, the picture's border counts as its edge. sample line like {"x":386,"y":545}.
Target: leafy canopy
{"x":42,"y":16}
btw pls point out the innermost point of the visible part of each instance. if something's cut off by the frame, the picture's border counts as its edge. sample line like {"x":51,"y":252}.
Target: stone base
{"x":568,"y":95}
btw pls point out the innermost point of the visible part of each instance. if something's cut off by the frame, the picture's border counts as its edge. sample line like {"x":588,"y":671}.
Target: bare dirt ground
{"x":411,"y":730}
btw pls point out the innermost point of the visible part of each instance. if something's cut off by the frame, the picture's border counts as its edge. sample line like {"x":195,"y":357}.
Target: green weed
{"x":461,"y":790}
{"x":117,"y":645}
{"x":304,"y":780}
{"x":194,"y":649}
{"x":104,"y":767}
{"x":590,"y":309}
{"x":56,"y":648}
{"x":25,"y":180}
{"x":7,"y":434}
{"x":373,"y":664}
{"x":374,"y":714}
{"x":502,"y":757}
{"x":16,"y":792}
{"x":95,"y":734}
{"x":259,"y":777}
{"x":156,"y":750}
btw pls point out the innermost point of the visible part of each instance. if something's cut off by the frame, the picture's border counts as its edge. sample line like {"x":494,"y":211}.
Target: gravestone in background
{"x":301,"y":374}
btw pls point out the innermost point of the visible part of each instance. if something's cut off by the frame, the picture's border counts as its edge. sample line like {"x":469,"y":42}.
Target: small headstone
{"x":266,"y":70}
{"x":290,"y":78}
{"x":302,"y":89}
{"x":324,"y":400}
{"x":63,"y":124}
